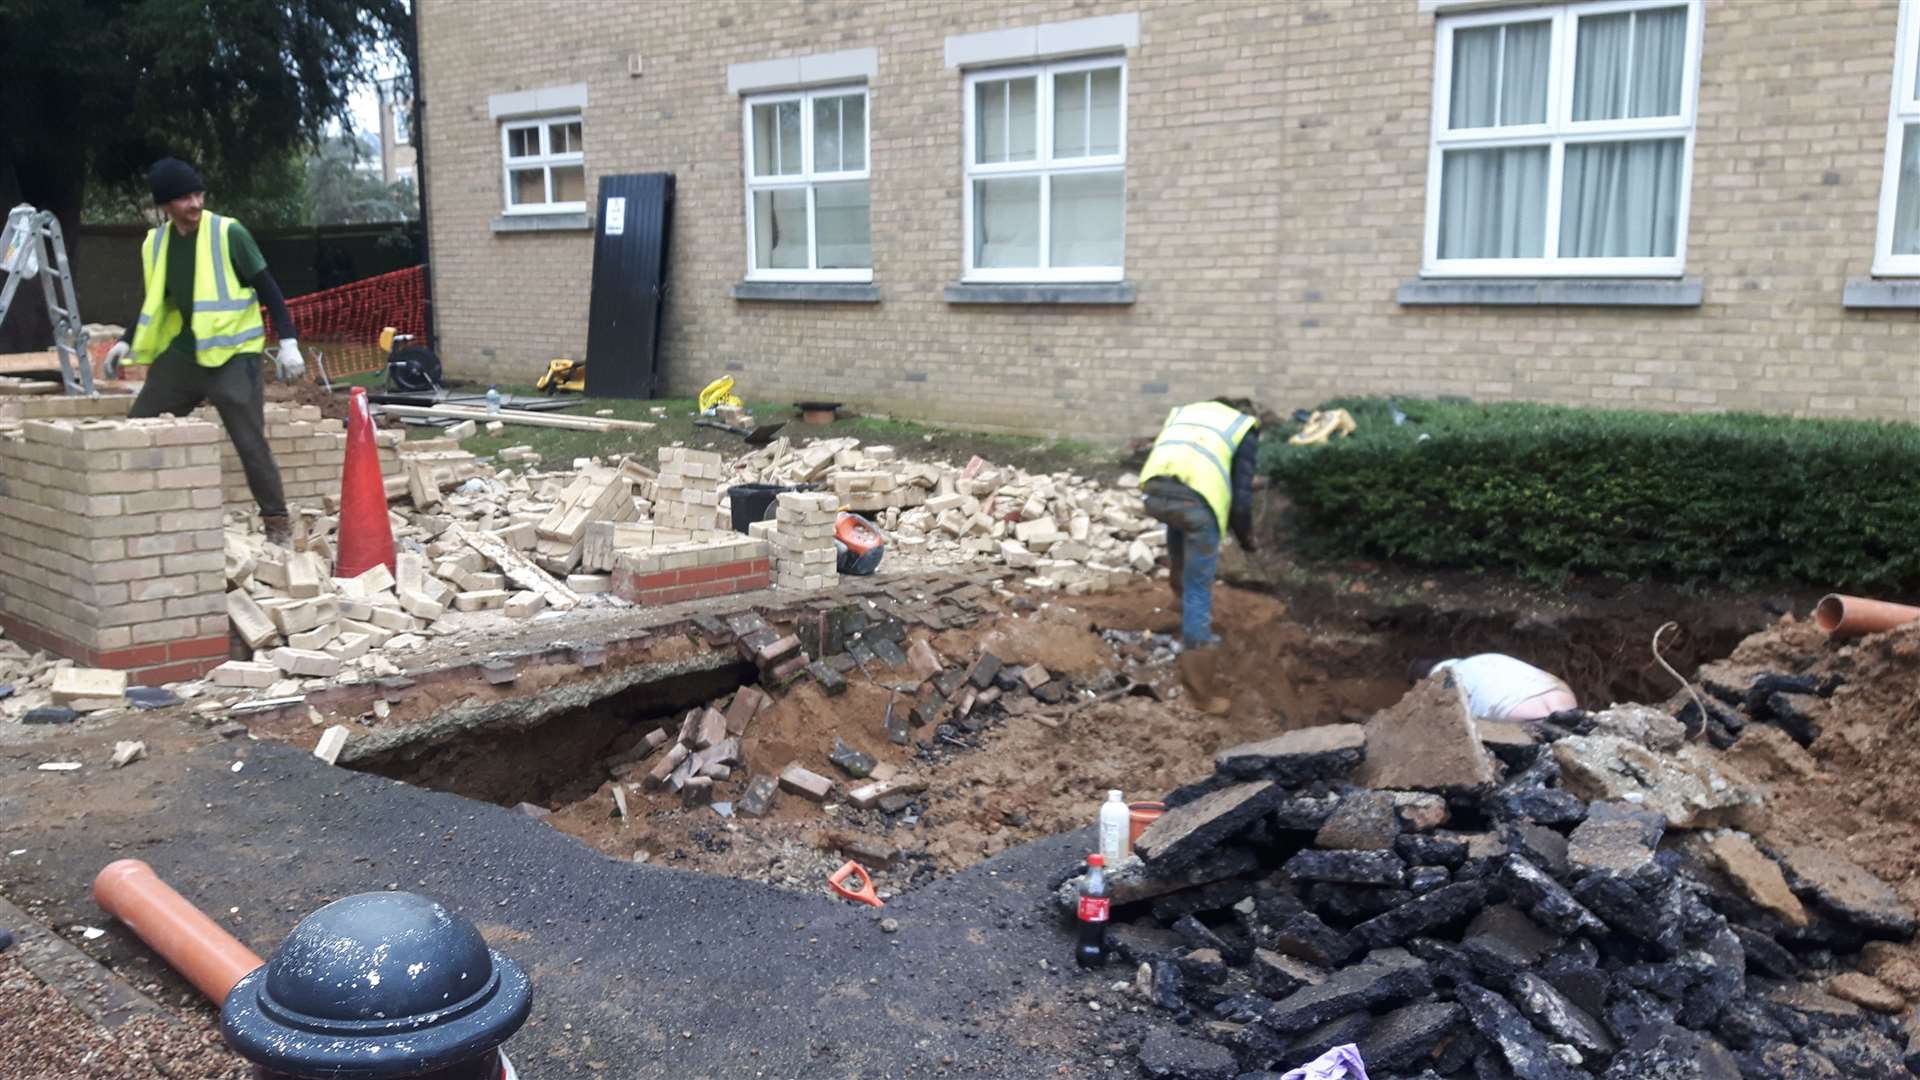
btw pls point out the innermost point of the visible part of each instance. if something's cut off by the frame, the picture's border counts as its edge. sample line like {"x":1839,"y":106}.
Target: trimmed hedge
{"x":1550,"y":491}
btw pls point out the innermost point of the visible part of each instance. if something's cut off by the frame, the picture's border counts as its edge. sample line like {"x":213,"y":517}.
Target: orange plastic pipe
{"x":1852,"y":616}
{"x":204,"y":954}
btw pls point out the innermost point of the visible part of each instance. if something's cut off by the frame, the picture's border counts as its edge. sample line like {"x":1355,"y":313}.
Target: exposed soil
{"x":44,"y":1037}
{"x":1854,"y":789}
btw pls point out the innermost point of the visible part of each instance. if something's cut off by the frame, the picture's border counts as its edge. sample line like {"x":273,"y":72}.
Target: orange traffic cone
{"x":366,"y":536}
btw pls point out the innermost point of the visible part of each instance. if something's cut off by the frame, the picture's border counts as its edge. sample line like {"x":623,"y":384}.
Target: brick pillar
{"x":111,"y":545}
{"x":802,"y":539}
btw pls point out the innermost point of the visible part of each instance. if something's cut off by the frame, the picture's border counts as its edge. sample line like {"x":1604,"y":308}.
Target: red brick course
{"x":160,"y":662}
{"x":694,"y":582}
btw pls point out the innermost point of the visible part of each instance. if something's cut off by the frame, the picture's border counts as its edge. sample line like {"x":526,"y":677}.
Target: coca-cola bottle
{"x":1094,"y":910}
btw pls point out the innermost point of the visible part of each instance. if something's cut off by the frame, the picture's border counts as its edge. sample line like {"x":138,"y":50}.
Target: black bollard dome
{"x":382,"y":984}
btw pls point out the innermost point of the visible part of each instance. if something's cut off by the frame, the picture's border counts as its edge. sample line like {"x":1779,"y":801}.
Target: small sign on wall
{"x":616,"y":215}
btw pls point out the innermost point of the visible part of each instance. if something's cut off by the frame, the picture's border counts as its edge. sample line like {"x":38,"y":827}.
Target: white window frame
{"x":1557,"y":133}
{"x":1044,"y":167}
{"x":545,"y":161}
{"x":806,"y":178}
{"x":402,"y":134}
{"x":1904,"y":110}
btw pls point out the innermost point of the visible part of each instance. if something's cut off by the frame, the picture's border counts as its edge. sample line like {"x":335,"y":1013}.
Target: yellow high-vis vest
{"x":1196,"y":447}
{"x":226,"y":313}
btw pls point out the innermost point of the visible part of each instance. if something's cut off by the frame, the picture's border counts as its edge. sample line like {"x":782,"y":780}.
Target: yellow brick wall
{"x":1276,"y":191}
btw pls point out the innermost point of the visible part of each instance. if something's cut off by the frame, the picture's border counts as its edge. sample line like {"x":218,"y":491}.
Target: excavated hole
{"x":1019,"y":781}
{"x":559,"y":761}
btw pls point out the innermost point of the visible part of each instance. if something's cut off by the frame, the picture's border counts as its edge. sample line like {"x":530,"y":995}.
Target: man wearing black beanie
{"x":201,"y":332}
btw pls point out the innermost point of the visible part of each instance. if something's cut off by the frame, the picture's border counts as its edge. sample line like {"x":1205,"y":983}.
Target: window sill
{"x":506,"y":223}
{"x":1111,"y":293}
{"x":816,"y":292}
{"x":1550,"y":292}
{"x":1881,"y":293}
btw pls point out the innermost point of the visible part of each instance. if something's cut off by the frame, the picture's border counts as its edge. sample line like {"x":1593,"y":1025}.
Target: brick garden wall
{"x":1276,"y":176}
{"x":111,"y":546}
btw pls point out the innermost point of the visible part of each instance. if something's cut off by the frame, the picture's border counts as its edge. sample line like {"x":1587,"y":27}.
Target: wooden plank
{"x":29,"y":361}
{"x":511,"y":416}
{"x":520,"y":570}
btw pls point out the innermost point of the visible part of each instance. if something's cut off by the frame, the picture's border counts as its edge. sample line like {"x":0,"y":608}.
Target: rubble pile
{"x":1464,"y":899}
{"x":717,"y":754}
{"x":1067,"y":532}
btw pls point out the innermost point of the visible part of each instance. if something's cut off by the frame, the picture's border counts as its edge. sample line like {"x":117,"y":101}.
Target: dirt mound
{"x":1854,"y":787}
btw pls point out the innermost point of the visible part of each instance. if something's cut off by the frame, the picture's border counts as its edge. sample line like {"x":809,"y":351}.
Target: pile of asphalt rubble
{"x":1464,"y":899}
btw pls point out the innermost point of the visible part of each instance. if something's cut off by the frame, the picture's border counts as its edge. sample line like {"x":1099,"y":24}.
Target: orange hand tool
{"x":864,"y":894}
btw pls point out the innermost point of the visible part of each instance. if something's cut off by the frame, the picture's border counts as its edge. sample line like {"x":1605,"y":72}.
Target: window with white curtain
{"x":1046,"y":172}
{"x":807,"y":186}
{"x":1563,"y":140}
{"x":1898,"y":250}
{"x":545,"y":165}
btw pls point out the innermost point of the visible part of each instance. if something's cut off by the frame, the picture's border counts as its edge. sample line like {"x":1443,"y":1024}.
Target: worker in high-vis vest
{"x":1199,"y":480}
{"x":200,"y":334}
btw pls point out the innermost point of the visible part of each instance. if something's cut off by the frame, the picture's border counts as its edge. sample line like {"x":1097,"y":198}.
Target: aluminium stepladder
{"x":31,"y":245}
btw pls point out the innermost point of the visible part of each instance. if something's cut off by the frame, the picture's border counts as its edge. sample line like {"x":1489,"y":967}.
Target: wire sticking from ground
{"x":1698,"y":702}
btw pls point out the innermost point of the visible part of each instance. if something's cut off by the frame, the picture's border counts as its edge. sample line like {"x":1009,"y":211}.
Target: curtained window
{"x":1563,"y":140}
{"x":1046,"y":172}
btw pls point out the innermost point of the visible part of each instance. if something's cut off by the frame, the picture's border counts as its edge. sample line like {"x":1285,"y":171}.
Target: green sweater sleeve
{"x":247,"y":260}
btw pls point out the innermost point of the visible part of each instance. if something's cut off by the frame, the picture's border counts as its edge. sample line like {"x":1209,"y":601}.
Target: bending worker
{"x":1199,"y":480}
{"x":1501,"y":687}
{"x":200,"y":329}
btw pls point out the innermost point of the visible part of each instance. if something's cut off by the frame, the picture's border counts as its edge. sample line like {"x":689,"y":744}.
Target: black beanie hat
{"x":171,"y":178}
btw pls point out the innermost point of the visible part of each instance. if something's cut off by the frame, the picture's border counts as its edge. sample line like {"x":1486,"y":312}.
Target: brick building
{"x":1066,"y":215}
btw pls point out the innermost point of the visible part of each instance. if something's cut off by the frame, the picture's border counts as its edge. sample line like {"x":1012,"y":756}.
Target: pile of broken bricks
{"x":1462,"y":899}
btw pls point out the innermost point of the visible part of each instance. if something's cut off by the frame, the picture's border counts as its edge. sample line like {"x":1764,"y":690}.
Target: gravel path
{"x":43,"y":1037}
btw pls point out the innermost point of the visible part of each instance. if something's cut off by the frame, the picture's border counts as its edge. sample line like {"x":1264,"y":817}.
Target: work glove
{"x":288,"y":360}
{"x":110,"y":367}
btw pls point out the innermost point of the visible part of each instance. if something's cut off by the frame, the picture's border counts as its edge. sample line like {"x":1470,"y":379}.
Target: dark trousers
{"x":176,"y":384}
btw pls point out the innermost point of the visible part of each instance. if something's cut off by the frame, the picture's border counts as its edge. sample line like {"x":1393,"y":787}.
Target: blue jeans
{"x":1193,"y":549}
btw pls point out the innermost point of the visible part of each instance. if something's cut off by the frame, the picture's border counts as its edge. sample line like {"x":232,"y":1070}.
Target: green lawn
{"x":917,"y":442}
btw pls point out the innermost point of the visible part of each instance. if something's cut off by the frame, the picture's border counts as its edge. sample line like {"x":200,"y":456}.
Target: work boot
{"x":1197,"y":674}
{"x":278,"y":529}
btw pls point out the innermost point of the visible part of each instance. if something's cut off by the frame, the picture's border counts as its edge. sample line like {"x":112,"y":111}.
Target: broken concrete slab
{"x":1848,"y":892}
{"x":1671,"y":1052}
{"x":1364,"y":821}
{"x":1561,"y":1019}
{"x":1407,"y":1037}
{"x":1758,"y":877}
{"x":1644,"y":724}
{"x":127,"y":752}
{"x":1277,"y":975}
{"x":1133,"y":880}
{"x":1617,"y":837}
{"x":1184,"y":834}
{"x":1502,"y":941}
{"x":1385,"y":977}
{"x":1546,"y":900}
{"x":1866,"y":992}
{"x":1428,"y":740}
{"x":1346,"y":867}
{"x":1526,"y":1051}
{"x":1449,"y":905}
{"x":1305,"y":937}
{"x":1685,"y":788}
{"x":1165,"y":1055}
{"x":1328,"y":752}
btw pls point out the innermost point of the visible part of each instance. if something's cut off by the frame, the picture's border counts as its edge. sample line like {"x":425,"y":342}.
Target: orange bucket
{"x":1139,"y":816}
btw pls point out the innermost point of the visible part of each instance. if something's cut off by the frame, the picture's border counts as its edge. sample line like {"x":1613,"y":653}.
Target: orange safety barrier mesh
{"x":341,"y":326}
